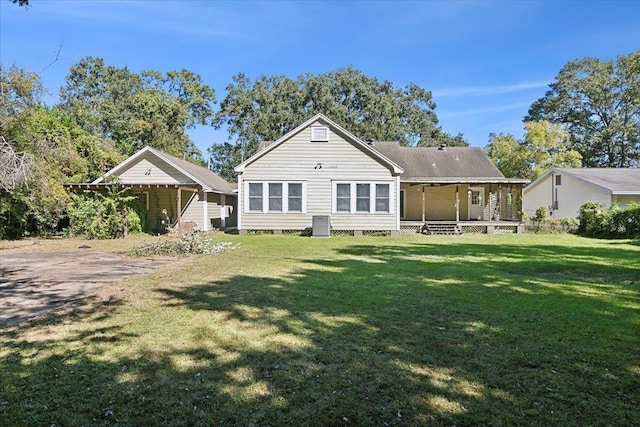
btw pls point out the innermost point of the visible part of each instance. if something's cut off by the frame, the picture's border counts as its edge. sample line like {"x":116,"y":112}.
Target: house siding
{"x":572,"y":193}
{"x":195,"y":211}
{"x":150,"y":169}
{"x":297,"y":160}
{"x":624,"y":200}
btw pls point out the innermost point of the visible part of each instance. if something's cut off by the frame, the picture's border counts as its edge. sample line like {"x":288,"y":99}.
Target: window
{"x":475,"y":197}
{"x":319,"y":134}
{"x":343,"y":198}
{"x":274,"y":197}
{"x":361,"y":197}
{"x":255,"y":196}
{"x":295,"y":197}
{"x":382,"y":197}
{"x":558,"y":179}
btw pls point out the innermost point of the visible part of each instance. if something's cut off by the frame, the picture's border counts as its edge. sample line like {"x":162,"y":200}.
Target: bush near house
{"x":597,"y":220}
{"x":104,"y":216}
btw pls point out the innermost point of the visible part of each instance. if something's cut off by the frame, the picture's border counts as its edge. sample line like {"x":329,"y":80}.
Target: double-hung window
{"x":343,"y":197}
{"x":294,"y":199}
{"x":255,"y":196}
{"x":361,"y":197}
{"x":274,"y":197}
{"x":382,"y":197}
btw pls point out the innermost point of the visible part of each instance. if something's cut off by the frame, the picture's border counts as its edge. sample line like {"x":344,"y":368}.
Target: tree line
{"x":590,"y":116}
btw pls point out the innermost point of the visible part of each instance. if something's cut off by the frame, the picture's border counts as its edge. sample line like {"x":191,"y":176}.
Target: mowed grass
{"x":418,"y":330}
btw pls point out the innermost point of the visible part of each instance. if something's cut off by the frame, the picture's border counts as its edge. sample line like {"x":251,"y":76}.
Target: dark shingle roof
{"x":202,"y":174}
{"x":617,"y":180}
{"x":432,"y":164}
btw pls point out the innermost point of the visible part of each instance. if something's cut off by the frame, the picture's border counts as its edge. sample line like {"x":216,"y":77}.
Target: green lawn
{"x":419,"y":330}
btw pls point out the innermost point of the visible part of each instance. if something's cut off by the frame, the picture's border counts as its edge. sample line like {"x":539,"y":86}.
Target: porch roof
{"x":444,"y":165}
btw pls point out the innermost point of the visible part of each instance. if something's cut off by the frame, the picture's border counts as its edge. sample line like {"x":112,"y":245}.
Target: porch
{"x":455,"y":204}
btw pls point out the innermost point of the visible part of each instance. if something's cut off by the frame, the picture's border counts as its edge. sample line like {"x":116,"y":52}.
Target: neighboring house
{"x":564,"y":190}
{"x":320,"y":172}
{"x":178,"y":192}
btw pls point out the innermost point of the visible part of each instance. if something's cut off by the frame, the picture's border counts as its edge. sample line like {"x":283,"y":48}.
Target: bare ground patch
{"x":39,"y":280}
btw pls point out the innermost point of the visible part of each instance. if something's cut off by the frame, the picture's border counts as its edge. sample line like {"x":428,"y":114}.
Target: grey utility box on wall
{"x":321,"y":226}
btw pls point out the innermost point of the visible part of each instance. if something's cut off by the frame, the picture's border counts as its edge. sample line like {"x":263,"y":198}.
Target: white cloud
{"x":487,"y":90}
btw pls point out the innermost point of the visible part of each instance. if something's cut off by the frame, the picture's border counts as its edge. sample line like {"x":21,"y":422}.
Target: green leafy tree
{"x":223,"y":158}
{"x":138,"y":109}
{"x":599,"y":104}
{"x":42,"y":149}
{"x":270,"y":106}
{"x":545,"y":145}
{"x":509,"y":155}
{"x":548,"y":146}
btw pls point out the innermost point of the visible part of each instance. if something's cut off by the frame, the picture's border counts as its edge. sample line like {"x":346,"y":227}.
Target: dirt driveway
{"x":33,"y":282}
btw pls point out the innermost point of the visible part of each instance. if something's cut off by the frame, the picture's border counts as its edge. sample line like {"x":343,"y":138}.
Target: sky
{"x":485,"y":62}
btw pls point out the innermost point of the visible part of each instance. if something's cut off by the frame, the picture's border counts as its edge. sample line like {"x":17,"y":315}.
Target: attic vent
{"x":319,"y":133}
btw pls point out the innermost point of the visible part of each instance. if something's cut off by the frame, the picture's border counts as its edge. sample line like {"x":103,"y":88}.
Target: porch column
{"x":179,"y":210}
{"x":490,"y":206}
{"x":205,"y":211}
{"x":223,"y":211}
{"x":457,"y":202}
{"x":424,"y":207}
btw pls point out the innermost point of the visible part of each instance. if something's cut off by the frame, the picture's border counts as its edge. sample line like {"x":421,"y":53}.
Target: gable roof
{"x":443,"y":164}
{"x":210,"y":181}
{"x":614,"y":180}
{"x":349,"y":137}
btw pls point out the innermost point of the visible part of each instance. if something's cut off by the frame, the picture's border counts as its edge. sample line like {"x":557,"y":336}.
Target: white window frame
{"x":319,"y":133}
{"x":265,"y":196}
{"x":354,"y":197}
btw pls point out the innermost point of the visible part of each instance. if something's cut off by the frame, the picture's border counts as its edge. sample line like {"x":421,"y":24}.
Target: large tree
{"x":41,"y":149}
{"x":545,"y":145}
{"x":599,"y":103}
{"x":269,"y":106}
{"x":138,"y":109}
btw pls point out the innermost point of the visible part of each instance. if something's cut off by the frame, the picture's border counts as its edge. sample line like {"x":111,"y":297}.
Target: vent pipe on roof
{"x":443,"y":147}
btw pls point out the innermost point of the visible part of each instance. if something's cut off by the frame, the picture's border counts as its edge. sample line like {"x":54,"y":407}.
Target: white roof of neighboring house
{"x":210,"y":181}
{"x":614,"y":180}
{"x":336,"y":128}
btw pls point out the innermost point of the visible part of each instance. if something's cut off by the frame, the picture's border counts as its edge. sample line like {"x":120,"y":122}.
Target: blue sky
{"x":485,"y":62}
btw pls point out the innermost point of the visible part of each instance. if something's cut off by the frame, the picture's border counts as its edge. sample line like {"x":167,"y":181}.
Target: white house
{"x":320,"y":171}
{"x":564,"y":190}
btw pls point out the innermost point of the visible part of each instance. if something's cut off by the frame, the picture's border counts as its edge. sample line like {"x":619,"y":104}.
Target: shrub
{"x":103,"y":216}
{"x":597,"y":220}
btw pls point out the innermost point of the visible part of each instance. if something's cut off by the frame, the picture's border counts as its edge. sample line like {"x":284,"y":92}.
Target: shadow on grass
{"x":385,"y":334}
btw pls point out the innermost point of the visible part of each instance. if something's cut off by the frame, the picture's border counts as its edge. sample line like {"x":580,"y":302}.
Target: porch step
{"x":442,"y":228}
